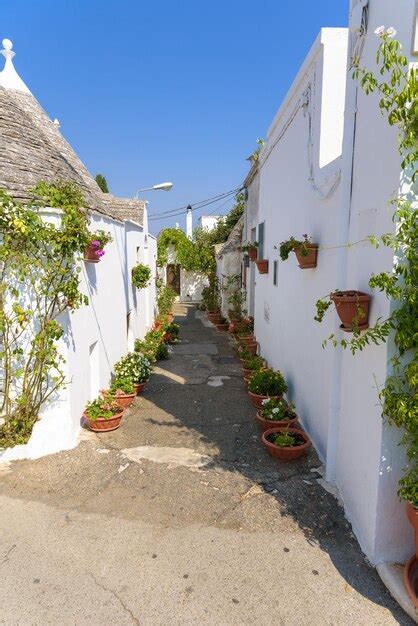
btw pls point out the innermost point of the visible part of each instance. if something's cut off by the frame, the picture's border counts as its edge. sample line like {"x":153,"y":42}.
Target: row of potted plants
{"x":105,"y":412}
{"x":131,"y":373}
{"x":280,"y":432}
{"x":278,"y":421}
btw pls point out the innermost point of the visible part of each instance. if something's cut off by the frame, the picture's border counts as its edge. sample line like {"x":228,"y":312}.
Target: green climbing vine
{"x":397,"y":87}
{"x":40,"y":283}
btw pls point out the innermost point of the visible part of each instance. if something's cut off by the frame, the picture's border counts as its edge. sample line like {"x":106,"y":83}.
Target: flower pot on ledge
{"x":353,"y":309}
{"x":307,"y":261}
{"x":263,"y":266}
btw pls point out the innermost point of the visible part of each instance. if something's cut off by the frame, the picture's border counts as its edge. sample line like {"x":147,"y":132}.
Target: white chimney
{"x":189,"y":222}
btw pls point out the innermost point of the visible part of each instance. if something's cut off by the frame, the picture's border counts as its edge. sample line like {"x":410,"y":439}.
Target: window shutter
{"x":261,"y":240}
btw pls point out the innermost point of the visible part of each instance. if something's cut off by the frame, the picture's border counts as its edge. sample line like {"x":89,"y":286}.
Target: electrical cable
{"x":197,"y":205}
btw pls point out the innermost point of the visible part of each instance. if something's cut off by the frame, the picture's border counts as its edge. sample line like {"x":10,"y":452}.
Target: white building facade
{"x":97,"y":335}
{"x":329,"y":168}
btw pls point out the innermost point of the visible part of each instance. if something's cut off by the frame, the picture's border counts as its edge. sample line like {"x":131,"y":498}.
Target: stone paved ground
{"x":180,"y":517}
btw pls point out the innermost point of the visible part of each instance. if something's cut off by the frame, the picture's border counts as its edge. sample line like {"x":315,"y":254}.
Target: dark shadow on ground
{"x":214,"y":413}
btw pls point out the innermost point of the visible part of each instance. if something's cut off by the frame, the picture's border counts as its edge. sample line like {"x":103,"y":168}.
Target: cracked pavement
{"x":180,"y":517}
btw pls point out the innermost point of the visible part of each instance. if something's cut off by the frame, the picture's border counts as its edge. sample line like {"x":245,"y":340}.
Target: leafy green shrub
{"x":104,"y":406}
{"x":162,"y":352}
{"x":268,"y":382}
{"x":141,"y":275}
{"x":134,"y":366}
{"x":165,"y":299}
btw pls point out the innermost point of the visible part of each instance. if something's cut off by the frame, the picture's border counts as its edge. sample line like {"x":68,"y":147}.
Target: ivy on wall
{"x":39,"y":272}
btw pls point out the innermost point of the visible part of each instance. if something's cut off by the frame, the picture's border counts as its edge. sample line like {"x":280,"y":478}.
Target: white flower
{"x":391,"y":32}
{"x":264,"y":401}
{"x":380,"y":31}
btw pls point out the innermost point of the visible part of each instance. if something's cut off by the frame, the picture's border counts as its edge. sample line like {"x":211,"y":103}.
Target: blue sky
{"x":164,"y":90}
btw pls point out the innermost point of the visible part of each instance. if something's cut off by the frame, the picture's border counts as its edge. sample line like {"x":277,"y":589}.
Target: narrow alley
{"x":181,"y":517}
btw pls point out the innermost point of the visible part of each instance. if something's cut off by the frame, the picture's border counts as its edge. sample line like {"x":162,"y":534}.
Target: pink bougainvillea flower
{"x":95,"y":243}
{"x":100,"y":252}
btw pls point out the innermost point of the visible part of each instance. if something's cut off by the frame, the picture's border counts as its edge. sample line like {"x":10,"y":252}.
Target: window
{"x":275,"y":267}
{"x":261,"y":240}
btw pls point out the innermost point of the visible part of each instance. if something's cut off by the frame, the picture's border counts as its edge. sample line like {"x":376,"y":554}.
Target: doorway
{"x":173,"y":277}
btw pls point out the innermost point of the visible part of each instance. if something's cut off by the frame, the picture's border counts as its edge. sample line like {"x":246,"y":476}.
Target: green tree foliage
{"x":198,"y":254}
{"x":102,"y":182}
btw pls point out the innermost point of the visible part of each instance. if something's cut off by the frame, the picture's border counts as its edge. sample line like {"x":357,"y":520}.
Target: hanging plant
{"x":251,"y":248}
{"x":96,"y":244}
{"x":306,"y":252}
{"x":352,"y":308}
{"x":141,"y":275}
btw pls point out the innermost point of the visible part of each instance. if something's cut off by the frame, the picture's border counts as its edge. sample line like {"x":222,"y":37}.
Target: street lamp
{"x":161,"y":186}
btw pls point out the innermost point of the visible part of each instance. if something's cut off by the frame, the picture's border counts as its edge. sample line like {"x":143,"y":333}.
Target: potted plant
{"x":171,"y":332}
{"x":285,"y":444}
{"x":276,"y":413}
{"x":124,"y":391}
{"x":352,"y":308}
{"x":136,"y":367}
{"x":306,"y":252}
{"x":253,"y":364}
{"x":95,"y":247}
{"x":223,"y":324}
{"x":243,"y":335}
{"x":149,"y":345}
{"x":408,"y":492}
{"x":141,"y":275}
{"x":104,"y":413}
{"x":266,"y":383}
{"x":251,"y":248}
{"x":262,"y":266}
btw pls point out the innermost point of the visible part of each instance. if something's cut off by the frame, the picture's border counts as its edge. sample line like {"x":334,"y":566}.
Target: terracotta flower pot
{"x":125,"y":400}
{"x":286,"y":454}
{"x":252,"y":347}
{"x":412,"y":515}
{"x":139,"y":387}
{"x":353,"y":309}
{"x":310,"y":260}
{"x":258,"y":400}
{"x":410,"y":575}
{"x":252,"y":253}
{"x":247,"y":372}
{"x":269,"y":424}
{"x":102,"y":425}
{"x":170,"y":318}
{"x":263,"y":266}
{"x":90,"y":254}
{"x":247,"y":339}
{"x":215,"y":318}
{"x":223,"y":327}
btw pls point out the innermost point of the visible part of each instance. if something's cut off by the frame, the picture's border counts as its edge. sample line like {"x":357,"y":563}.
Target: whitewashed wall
{"x":97,"y":335}
{"x":299,"y":193}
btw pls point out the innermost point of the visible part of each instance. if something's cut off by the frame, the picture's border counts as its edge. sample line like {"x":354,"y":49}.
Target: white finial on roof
{"x":9,"y":78}
{"x":56,"y":123}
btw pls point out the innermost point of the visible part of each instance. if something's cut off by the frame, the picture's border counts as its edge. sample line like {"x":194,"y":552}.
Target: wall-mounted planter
{"x":253,"y":253}
{"x":90,"y":254}
{"x":353,"y":309}
{"x":263,"y":266}
{"x":309,"y":260}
